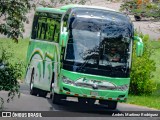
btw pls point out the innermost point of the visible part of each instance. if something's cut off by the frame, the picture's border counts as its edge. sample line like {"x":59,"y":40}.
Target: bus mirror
{"x":139,"y":46}
{"x":63,"y":39}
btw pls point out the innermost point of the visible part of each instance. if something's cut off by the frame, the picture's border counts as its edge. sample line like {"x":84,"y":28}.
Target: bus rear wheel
{"x":42,"y":93}
{"x":33,"y":91}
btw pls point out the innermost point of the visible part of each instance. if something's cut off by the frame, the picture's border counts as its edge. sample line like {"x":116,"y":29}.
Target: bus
{"x":81,"y":51}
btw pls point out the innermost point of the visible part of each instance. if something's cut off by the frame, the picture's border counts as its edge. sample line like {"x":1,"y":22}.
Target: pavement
{"x":27,"y":102}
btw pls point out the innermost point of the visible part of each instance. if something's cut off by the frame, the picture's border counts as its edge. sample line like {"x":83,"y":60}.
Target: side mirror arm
{"x":139,"y":46}
{"x":138,"y":39}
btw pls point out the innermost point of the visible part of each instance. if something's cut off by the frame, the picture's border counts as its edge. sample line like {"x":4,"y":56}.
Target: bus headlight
{"x":67,"y":80}
{"x":123,"y":87}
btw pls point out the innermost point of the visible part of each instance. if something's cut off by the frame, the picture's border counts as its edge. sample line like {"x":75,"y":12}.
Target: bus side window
{"x":50,"y":30}
{"x":46,"y":26}
{"x":42,"y":31}
{"x":57,"y":31}
{"x":54,"y":31}
{"x":65,"y":20}
{"x":35,"y":27}
{"x":53,"y":27}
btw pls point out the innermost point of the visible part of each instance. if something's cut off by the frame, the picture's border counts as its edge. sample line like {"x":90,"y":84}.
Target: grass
{"x":148,"y":101}
{"x":152,"y":101}
{"x":156,"y":57}
{"x":18,"y":51}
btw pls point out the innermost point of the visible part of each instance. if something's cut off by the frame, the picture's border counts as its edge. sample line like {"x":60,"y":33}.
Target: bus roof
{"x":63,"y":9}
{"x":66,"y":7}
{"x":50,"y":10}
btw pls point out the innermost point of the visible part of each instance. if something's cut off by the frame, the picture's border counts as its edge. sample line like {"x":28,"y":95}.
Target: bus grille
{"x":100,"y":87}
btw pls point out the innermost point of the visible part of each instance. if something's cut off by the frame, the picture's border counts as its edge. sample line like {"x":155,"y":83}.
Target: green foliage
{"x":128,"y":5}
{"x":17,"y":51}
{"x":55,"y":3}
{"x":156,"y":57}
{"x":8,"y":75}
{"x":148,"y":101}
{"x":13,"y":14}
{"x":145,"y":9}
{"x":142,"y":68}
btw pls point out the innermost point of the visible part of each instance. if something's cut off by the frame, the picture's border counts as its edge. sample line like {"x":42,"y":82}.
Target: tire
{"x":33,"y":91}
{"x":51,"y":86}
{"x":110,"y":104}
{"x":56,"y":98}
{"x":82,"y":100}
{"x":137,"y":18}
{"x":90,"y":101}
{"x":42,"y":93}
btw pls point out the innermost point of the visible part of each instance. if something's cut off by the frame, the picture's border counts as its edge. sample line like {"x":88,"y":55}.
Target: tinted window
{"x":46,"y":26}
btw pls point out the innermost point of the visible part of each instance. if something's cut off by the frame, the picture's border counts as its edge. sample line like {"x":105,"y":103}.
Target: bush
{"x":145,"y":9}
{"x":9,"y":73}
{"x":142,"y":68}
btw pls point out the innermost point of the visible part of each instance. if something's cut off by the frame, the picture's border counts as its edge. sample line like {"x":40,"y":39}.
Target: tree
{"x":9,"y":73}
{"x":56,"y":3}
{"x":13,"y":15}
{"x":142,"y":8}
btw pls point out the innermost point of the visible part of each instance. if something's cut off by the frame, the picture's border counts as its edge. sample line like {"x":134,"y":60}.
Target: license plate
{"x":93,"y":93}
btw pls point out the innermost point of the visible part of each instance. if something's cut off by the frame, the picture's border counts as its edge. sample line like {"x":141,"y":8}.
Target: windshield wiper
{"x":88,"y":57}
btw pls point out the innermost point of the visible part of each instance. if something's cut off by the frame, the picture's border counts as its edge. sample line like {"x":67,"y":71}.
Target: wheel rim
{"x":52,"y":87}
{"x":32,"y":79}
{"x":31,"y":86}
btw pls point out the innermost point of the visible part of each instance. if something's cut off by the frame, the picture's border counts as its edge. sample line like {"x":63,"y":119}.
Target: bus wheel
{"x":33,"y":91}
{"x":91,"y":101}
{"x":56,"y":98}
{"x":111,"y":104}
{"x":82,"y":100}
{"x":42,"y":93}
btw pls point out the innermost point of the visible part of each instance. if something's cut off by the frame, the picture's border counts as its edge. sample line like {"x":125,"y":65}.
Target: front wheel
{"x":56,"y":98}
{"x":33,"y":91}
{"x":111,"y":104}
{"x":82,"y":100}
{"x":90,"y":101}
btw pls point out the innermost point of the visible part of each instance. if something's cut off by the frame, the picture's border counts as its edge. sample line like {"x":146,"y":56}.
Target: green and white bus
{"x":68,"y":54}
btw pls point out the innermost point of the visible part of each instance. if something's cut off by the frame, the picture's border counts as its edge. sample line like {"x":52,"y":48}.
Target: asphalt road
{"x":28,"y":102}
{"x":35,"y":103}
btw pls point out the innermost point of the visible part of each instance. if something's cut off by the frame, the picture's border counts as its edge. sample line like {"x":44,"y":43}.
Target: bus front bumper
{"x":76,"y":91}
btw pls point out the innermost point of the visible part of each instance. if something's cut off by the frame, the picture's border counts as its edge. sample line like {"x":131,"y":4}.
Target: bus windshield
{"x":84,"y":39}
{"x":89,"y":41}
{"x":98,"y":44}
